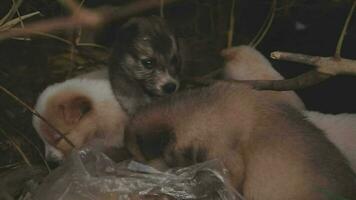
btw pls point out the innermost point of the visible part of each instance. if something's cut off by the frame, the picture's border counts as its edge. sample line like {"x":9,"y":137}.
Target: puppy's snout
{"x":169,"y":88}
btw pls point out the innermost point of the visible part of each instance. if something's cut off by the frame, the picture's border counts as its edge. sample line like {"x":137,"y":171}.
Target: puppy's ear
{"x":124,"y":37}
{"x":153,"y":143}
{"x":147,"y":140}
{"x":74,"y":109}
{"x":106,"y":35}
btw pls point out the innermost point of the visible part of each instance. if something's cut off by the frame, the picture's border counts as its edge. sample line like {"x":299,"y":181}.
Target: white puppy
{"x":83,"y":108}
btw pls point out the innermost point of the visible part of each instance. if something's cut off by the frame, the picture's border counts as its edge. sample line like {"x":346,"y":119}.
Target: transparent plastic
{"x":90,"y":175}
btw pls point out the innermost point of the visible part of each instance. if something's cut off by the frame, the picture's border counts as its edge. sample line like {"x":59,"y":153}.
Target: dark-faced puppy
{"x":271,"y":151}
{"x":144,"y":62}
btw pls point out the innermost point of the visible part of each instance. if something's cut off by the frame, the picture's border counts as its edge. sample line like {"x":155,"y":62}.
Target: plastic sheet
{"x":90,"y":175}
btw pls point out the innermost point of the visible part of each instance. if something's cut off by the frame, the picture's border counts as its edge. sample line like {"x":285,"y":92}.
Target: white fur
{"x":340,"y":129}
{"x":96,"y":87}
{"x":246,"y":63}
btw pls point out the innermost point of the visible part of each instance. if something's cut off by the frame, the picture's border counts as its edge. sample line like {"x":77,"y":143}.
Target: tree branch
{"x":89,"y":18}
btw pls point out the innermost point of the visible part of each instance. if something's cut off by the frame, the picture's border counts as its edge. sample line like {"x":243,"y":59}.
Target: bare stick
{"x":90,"y":18}
{"x":36,"y":148}
{"x":327,"y":65}
{"x":161,"y":9}
{"x":302,"y":81}
{"x":343,"y":32}
{"x":18,"y":149}
{"x":230,"y":33}
{"x":265,"y":27}
{"x":11,"y":12}
{"x":34,"y":112}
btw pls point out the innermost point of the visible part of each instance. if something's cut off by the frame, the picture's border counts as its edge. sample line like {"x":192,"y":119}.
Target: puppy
{"x":83,"y":108}
{"x":270,"y":150}
{"x":340,"y":130}
{"x":145,"y":62}
{"x":246,"y":63}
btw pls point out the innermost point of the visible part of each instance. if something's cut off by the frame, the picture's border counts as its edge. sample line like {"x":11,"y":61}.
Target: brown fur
{"x":271,"y":151}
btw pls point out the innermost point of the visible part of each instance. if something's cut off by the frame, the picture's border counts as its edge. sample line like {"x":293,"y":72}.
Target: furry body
{"x":271,"y":151}
{"x":145,"y":62}
{"x":246,"y":63}
{"x":82,"y":108}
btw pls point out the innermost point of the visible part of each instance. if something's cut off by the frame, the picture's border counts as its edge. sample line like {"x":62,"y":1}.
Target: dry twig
{"x":17,"y":147}
{"x":34,"y":112}
{"x":325,"y":67}
{"x":230,"y":33}
{"x":89,"y":18}
{"x":265,"y":27}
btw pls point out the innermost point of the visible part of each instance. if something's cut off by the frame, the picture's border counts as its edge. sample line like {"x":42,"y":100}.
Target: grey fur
{"x":138,"y":40}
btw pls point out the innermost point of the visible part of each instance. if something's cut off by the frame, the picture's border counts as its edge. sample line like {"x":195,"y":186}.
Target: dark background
{"x":27,"y":67}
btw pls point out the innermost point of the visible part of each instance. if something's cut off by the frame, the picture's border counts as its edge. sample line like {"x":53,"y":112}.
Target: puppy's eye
{"x":147,"y":63}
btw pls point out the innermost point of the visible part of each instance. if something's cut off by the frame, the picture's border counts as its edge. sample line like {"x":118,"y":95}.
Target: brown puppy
{"x":271,"y":151}
{"x":246,"y":63}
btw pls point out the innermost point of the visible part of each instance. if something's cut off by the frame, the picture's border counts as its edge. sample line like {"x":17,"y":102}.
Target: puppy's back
{"x":271,"y":151}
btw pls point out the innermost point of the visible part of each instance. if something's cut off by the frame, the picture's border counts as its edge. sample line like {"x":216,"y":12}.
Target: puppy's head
{"x":146,"y":51}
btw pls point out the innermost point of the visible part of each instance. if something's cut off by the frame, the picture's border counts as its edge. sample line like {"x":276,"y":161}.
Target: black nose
{"x":169,"y":88}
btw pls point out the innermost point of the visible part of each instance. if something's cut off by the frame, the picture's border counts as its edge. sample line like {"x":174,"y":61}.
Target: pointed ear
{"x":228,"y":54}
{"x":74,"y":109}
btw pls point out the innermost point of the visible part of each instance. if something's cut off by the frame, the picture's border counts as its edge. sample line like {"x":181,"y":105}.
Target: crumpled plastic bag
{"x":90,"y":175}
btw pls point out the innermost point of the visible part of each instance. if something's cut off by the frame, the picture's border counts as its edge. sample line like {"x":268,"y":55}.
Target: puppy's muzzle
{"x":169,"y":88}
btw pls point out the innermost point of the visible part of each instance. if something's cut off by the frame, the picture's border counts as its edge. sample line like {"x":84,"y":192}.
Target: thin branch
{"x":11,"y":12}
{"x":161,"y":8}
{"x":53,"y":37}
{"x":343,"y":32}
{"x":35,"y":113}
{"x":90,"y":18}
{"x":327,"y":65}
{"x":295,"y":57}
{"x":18,"y":132}
{"x":19,"y":15}
{"x":230,"y":33}
{"x":16,"y":146}
{"x":37,"y":149}
{"x":84,"y":44}
{"x":15,"y":21}
{"x":302,"y":81}
{"x":265,"y":27}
